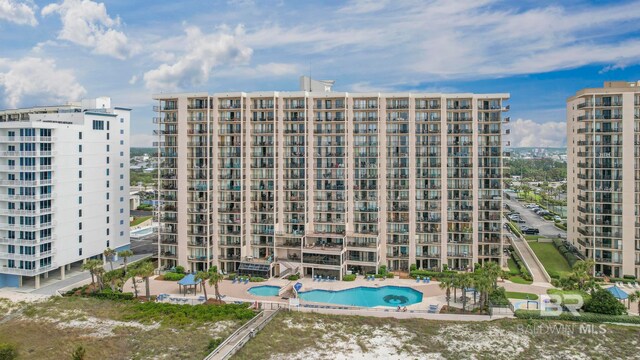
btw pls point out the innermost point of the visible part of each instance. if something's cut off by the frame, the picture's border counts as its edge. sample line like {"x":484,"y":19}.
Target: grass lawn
{"x":551,"y":258}
{"x":512,"y":265}
{"x":562,"y":293}
{"x":309,"y":336}
{"x":520,"y":280}
{"x":521,"y":295}
{"x":117,"y":329}
{"x":532,"y":237}
{"x":139,"y":220}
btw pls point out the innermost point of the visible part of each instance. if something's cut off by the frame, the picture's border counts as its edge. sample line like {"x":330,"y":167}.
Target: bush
{"x":391,"y":275}
{"x":78,"y":353}
{"x":179,"y":269}
{"x":213,"y":344}
{"x":629,"y":277}
{"x":293,"y":277}
{"x":110,"y":295}
{"x":431,"y":274}
{"x":172,"y":276}
{"x":256,"y":279}
{"x":584,"y":317}
{"x":603,"y":302}
{"x":179,"y":315}
{"x":349,"y":277}
{"x":8,"y":351}
{"x":498,"y":297}
{"x":413,"y":267}
{"x":382,"y":270}
{"x":622,"y":280}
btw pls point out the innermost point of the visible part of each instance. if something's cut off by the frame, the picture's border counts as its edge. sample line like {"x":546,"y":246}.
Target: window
{"x":108,"y":232}
{"x":121,"y":176}
{"x":107,"y":196}
{"x":121,"y":142}
{"x":79,"y":226}
{"x":80,"y":239}
{"x":79,"y":187}
{"x":121,"y":153}
{"x":121,"y":120}
{"x":79,"y":161}
{"x":107,"y":207}
{"x":108,"y":136}
{"x":80,"y":135}
{"x":79,"y":199}
{"x":107,"y":183}
{"x":80,"y":252}
{"x":98,"y":125}
{"x":121,"y":188}
{"x":121,"y":211}
{"x":121,"y":233}
{"x":108,"y":147}
{"x":121,"y":132}
{"x":121,"y":222}
{"x":80,"y":148}
{"x":80,"y":174}
{"x":79,"y":212}
{"x":107,"y":172}
{"x":108,"y":240}
{"x":108,"y":123}
{"x":121,"y":165}
{"x":121,"y":199}
{"x":108,"y":220}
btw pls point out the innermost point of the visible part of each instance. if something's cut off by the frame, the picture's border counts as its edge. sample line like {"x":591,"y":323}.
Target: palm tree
{"x":125,"y":255}
{"x":214,"y":279}
{"x":94,"y":266}
{"x":108,"y":254}
{"x":145,"y":271}
{"x":133,"y":273}
{"x":583,"y":272}
{"x":635,"y":296}
{"x":493,"y":271}
{"x":446,"y":283}
{"x":203,"y":276}
{"x":464,"y":281}
{"x":483,"y":285}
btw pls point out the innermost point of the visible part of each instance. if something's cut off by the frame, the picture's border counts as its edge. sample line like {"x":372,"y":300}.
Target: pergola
{"x":187,"y":282}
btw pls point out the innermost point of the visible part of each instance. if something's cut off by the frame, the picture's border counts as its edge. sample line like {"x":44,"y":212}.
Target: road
{"x":547,"y":229}
{"x":145,"y":245}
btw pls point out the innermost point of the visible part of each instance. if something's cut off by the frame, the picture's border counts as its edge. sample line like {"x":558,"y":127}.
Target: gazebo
{"x":617,"y":292}
{"x":189,"y":281}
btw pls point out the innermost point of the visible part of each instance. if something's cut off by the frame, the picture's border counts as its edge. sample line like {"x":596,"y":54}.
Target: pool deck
{"x":431,"y":292}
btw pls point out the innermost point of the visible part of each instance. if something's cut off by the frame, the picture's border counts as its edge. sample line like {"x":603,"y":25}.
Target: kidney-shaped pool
{"x":366,"y":296}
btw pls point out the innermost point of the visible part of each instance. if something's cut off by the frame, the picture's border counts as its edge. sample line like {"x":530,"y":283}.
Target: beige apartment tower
{"x":322,"y":182}
{"x":604,"y":176}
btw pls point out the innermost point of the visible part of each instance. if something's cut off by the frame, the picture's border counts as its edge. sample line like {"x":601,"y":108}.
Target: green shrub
{"x":382,"y":270}
{"x":293,"y":277}
{"x":179,"y":269}
{"x":182,"y":315}
{"x":349,"y":277}
{"x":498,"y":297}
{"x":172,"y":276}
{"x":622,"y":280}
{"x":78,"y":353}
{"x":391,"y":275}
{"x":413,"y":267}
{"x":584,"y":317}
{"x":603,"y":302}
{"x":8,"y":351}
{"x":629,"y":277}
{"x":110,"y":295}
{"x":431,"y":274}
{"x":213,"y":344}
{"x":256,"y":279}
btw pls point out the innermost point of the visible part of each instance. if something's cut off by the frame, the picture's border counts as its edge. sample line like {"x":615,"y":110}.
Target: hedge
{"x":514,"y":229}
{"x":349,"y":277}
{"x":565,"y":252}
{"x":256,"y":279}
{"x":584,"y":317}
{"x":431,"y":274}
{"x":523,"y":269}
{"x":623,"y":280}
{"x":171,"y":276}
{"x":112,"y":295}
{"x":293,"y":277}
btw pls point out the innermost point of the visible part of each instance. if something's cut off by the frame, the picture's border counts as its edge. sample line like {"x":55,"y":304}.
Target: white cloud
{"x":261,"y":71}
{"x":528,"y":133}
{"x":199,"y":54}
{"x":363,"y":6}
{"x":133,"y":80}
{"x":39,"y":80}
{"x":18,"y":13}
{"x":86,"y":23}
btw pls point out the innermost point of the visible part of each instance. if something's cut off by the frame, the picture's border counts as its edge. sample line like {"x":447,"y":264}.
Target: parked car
{"x":557,"y":218}
{"x":530,"y":231}
{"x":543,"y":213}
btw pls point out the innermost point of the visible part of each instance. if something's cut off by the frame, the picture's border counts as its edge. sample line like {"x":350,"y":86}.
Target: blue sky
{"x":539,"y":51}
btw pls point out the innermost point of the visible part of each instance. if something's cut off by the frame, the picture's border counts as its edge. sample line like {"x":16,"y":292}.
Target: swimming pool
{"x":265,"y":290}
{"x":366,"y":296}
{"x":142,"y":232}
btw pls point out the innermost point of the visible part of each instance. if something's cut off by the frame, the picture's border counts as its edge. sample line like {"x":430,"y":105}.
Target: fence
{"x":501,"y":309}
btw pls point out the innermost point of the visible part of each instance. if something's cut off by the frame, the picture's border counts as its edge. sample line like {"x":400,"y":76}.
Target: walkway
{"x":245,"y":333}
{"x":528,"y":257}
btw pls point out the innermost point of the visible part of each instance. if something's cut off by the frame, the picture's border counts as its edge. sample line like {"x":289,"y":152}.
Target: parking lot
{"x":547,"y":229}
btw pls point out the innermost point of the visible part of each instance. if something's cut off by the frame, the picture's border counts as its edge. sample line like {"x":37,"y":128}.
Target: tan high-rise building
{"x":322,"y":182}
{"x":604,"y":176}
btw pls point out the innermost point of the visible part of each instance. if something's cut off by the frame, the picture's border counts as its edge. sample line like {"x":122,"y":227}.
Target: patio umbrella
{"x":617,"y":292}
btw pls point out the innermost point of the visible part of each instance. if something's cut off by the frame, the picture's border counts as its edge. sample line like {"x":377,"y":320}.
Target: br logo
{"x":555,"y":305}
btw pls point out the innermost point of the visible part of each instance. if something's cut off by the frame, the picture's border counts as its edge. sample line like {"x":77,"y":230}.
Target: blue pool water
{"x":141,"y":232}
{"x":264,"y":290}
{"x":366,"y":296}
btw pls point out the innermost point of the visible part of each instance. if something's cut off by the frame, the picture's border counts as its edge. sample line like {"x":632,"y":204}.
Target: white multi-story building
{"x":323,"y":182}
{"x":603,"y":179}
{"x":64,"y":187}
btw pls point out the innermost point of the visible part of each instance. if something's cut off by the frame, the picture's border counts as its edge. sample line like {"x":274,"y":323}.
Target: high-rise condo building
{"x":323,"y":182}
{"x":604,"y":176}
{"x":64,"y":188}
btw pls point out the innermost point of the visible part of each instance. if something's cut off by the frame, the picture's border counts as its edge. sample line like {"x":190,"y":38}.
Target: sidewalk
{"x":536,"y":272}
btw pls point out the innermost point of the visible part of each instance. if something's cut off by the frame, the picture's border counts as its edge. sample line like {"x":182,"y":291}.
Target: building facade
{"x":64,"y":188}
{"x":322,"y":182}
{"x":604,"y":176}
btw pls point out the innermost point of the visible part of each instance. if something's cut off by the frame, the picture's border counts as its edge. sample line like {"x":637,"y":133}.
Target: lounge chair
{"x":424,"y":280}
{"x":635,"y":285}
{"x":417,"y":279}
{"x":234,"y":281}
{"x":246,"y":281}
